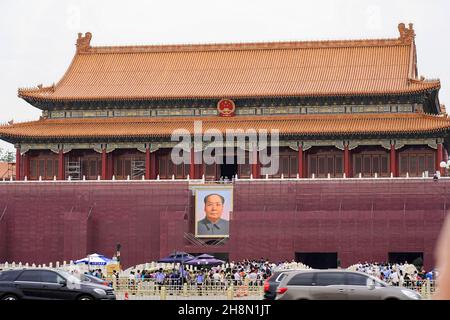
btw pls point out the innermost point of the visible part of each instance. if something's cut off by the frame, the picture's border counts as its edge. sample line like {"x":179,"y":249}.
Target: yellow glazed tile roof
{"x":278,"y":69}
{"x":317,"y":125}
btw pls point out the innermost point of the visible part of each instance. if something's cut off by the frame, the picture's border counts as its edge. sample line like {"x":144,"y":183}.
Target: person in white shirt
{"x":237,"y":278}
{"x":216,"y":277}
{"x":252,"y":278}
{"x":394,"y":278}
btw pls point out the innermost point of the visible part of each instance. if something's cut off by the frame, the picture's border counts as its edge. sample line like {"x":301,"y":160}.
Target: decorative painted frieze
{"x":323,"y":143}
{"x":369,"y":142}
{"x":292,"y":144}
{"x":240,"y":110}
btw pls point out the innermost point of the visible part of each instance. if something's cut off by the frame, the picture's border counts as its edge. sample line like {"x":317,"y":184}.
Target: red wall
{"x":55,"y":221}
{"x":362,"y":220}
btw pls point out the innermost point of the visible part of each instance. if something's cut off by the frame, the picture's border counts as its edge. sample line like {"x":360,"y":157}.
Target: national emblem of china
{"x":226,"y":108}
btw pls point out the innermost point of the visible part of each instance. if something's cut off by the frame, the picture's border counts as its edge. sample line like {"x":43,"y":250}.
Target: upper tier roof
{"x":277,"y":69}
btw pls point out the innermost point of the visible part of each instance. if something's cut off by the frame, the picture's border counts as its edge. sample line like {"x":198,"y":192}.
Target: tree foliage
{"x":6,"y":156}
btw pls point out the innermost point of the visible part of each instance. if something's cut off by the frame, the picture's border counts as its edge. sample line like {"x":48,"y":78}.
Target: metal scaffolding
{"x":137,"y":169}
{"x":73,"y":169}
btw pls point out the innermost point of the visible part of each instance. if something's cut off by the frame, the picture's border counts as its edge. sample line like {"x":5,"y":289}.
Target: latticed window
{"x":369,"y":163}
{"x":90,"y":166}
{"x":245,"y":169}
{"x":167,"y":169}
{"x":324,"y":162}
{"x":287,"y":163}
{"x":129,"y":165}
{"x":211,"y":171}
{"x":416,"y":162}
{"x":44,"y":167}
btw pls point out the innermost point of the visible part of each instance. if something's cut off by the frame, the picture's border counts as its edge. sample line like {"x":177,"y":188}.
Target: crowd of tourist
{"x":251,"y":272}
{"x":255,"y":272}
{"x":96,"y":273}
{"x":396,"y":274}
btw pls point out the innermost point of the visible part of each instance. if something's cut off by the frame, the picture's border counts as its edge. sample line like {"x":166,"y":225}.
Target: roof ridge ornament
{"x":407,"y":35}
{"x":83,"y":43}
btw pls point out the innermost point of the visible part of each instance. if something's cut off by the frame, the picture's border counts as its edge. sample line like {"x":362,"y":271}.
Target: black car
{"x":271,"y":284}
{"x":43,"y":284}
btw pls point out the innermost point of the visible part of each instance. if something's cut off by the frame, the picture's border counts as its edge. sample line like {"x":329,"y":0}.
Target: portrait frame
{"x":200,"y":194}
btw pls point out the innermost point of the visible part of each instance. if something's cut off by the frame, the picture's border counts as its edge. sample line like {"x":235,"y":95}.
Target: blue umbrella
{"x":94,"y":260}
{"x":177,"y":257}
{"x":205,"y":260}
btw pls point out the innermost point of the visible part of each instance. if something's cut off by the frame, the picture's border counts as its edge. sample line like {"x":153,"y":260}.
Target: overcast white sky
{"x":37,"y":38}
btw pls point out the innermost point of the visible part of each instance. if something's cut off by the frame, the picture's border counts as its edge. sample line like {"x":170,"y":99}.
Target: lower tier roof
{"x":304,"y":125}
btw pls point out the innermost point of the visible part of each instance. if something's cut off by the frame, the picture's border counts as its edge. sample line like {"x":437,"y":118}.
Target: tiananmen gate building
{"x":361,"y":135}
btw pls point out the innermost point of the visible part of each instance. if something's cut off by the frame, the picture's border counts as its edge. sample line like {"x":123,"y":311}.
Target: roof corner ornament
{"x":84,"y":43}
{"x":44,"y":115}
{"x":406,"y":34}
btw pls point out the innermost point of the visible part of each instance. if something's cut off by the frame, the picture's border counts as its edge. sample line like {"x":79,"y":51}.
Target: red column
{"x":104,"y":172}
{"x":192,"y":165}
{"x":110,"y":166}
{"x":201,"y":165}
{"x":198,"y":168}
{"x":255,"y":164}
{"x":153,"y":165}
{"x":393,"y":159}
{"x":18,"y":163}
{"x":346,"y":161}
{"x":440,"y":158}
{"x":147,"y":163}
{"x":300,"y":161}
{"x":61,"y":165}
{"x":258,"y":168}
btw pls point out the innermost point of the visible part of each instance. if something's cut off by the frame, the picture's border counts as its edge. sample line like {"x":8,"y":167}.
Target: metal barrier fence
{"x":82,"y":179}
{"x":134,"y":289}
{"x":149,"y":289}
{"x":426,"y":288}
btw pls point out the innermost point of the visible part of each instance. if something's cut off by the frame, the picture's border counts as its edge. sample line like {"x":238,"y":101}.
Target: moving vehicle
{"x":271,"y":284}
{"x":339,"y":285}
{"x":45,"y":284}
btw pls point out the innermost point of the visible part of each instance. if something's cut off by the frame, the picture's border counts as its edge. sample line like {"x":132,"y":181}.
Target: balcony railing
{"x":203,"y":180}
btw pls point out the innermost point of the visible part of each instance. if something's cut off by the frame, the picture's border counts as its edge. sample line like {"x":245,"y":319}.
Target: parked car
{"x":339,"y":285}
{"x":43,"y":284}
{"x":93,"y":279}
